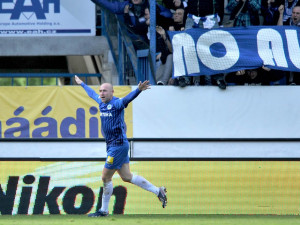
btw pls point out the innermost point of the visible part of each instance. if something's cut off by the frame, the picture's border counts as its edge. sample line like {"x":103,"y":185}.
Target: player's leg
{"x":140,"y":181}
{"x":107,"y":175}
{"x":115,"y":156}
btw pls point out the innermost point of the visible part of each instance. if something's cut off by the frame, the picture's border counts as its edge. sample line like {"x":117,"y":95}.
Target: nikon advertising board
{"x":194,"y":187}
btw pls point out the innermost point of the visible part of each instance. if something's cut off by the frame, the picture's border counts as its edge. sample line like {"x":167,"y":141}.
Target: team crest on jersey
{"x":109,"y":106}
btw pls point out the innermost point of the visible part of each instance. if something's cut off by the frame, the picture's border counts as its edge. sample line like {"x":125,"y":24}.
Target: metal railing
{"x":42,"y":76}
{"x":126,"y":58}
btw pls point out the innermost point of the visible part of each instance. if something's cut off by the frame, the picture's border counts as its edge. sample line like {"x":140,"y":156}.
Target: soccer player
{"x":113,"y":129}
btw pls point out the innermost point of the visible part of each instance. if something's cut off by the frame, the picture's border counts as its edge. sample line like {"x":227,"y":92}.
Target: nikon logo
{"x":46,"y":196}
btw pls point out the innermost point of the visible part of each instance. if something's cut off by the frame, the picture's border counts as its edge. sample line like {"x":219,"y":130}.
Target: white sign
{"x":47,"y":18}
{"x":207,"y":112}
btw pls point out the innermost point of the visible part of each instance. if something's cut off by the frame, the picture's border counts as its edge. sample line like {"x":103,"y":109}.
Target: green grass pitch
{"x":150,"y":220}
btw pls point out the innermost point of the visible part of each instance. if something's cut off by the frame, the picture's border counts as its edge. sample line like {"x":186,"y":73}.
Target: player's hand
{"x":126,"y":9}
{"x":171,"y":28}
{"x":241,"y":72}
{"x":144,"y":86}
{"x":77,"y":79}
{"x":266,"y":68}
{"x":281,"y":9}
{"x":158,"y":56}
{"x":161,"y":31}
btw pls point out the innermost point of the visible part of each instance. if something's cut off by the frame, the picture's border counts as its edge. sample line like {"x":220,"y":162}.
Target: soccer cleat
{"x":162,"y":196}
{"x":98,"y":214}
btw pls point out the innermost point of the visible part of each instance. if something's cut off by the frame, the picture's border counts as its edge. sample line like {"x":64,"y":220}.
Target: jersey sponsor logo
{"x":105,"y":114}
{"x":110,"y":160}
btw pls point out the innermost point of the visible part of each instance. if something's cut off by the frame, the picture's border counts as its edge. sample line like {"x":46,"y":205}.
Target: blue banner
{"x":223,"y":50}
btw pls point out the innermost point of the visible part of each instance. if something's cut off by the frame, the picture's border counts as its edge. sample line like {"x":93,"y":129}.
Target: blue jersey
{"x":113,"y":126}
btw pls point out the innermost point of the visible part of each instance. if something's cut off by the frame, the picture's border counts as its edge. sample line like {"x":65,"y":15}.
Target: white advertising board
{"x":208,"y":112}
{"x":57,"y":149}
{"x":215,"y":149}
{"x":19,"y":18}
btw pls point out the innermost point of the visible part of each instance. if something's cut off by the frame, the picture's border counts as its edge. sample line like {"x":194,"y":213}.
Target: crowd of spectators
{"x":179,"y":15}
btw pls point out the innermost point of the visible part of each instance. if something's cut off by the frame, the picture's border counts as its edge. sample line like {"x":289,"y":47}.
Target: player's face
{"x":106,"y":92}
{"x":296,"y":15}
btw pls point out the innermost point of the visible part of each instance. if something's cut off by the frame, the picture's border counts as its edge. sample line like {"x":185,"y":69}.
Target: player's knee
{"x":106,"y":179}
{"x":126,"y":178}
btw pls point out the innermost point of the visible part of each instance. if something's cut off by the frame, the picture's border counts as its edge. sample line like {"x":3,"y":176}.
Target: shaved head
{"x":106,"y":92}
{"x":107,"y":86}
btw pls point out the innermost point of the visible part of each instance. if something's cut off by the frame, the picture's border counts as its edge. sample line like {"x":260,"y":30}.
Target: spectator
{"x":249,"y":13}
{"x":221,"y":10}
{"x":244,"y":77}
{"x":164,"y":51}
{"x":248,"y":16}
{"x":175,"y":4}
{"x":269,"y":11}
{"x":261,"y":76}
{"x":134,"y":8}
{"x":178,"y":24}
{"x":294,"y":20}
{"x":204,"y":14}
{"x":161,"y":19}
{"x":288,"y":8}
{"x":179,"y":18}
{"x":133,"y":15}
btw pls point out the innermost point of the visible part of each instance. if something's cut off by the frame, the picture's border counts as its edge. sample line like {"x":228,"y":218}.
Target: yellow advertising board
{"x":193,"y":187}
{"x":53,"y":112}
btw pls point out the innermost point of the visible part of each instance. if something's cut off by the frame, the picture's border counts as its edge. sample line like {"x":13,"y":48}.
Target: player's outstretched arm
{"x":91,"y":93}
{"x":132,"y":95}
{"x":78,"y":80}
{"x":144,"y":86}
